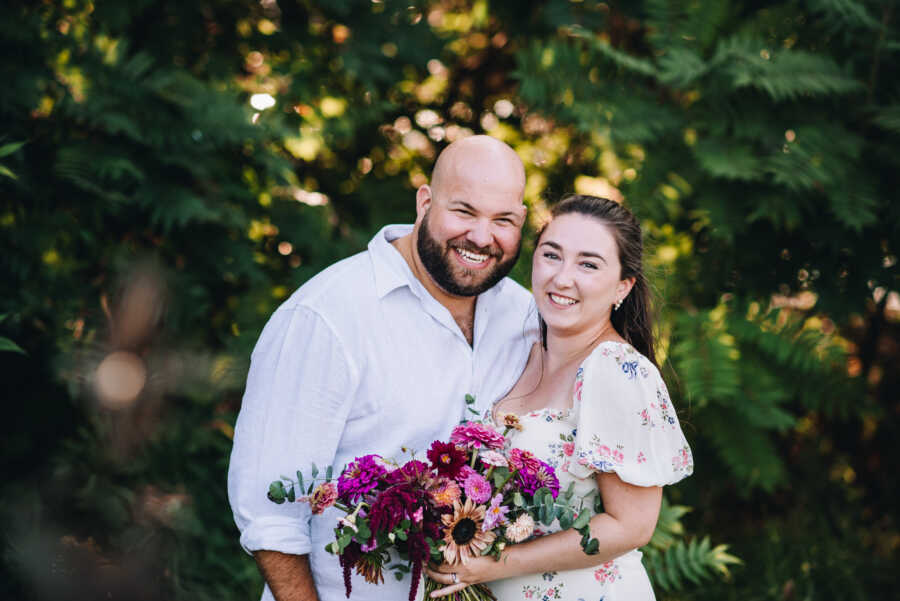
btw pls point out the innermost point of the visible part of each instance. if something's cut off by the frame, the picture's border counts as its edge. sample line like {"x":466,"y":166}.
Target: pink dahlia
{"x":477,"y":488}
{"x":476,"y":436}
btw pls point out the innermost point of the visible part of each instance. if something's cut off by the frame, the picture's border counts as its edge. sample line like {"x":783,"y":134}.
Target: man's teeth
{"x":475,"y":258}
{"x":562,"y":300}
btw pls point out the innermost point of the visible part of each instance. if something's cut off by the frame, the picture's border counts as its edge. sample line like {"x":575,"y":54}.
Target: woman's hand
{"x":479,"y":569}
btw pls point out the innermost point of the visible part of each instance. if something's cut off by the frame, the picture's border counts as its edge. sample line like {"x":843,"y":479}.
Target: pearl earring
{"x":617,"y":305}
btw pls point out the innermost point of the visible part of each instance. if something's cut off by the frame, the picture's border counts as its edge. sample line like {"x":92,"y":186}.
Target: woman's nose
{"x":563,"y":277}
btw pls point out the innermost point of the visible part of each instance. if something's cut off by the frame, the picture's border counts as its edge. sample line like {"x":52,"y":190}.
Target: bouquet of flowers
{"x":471,"y":498}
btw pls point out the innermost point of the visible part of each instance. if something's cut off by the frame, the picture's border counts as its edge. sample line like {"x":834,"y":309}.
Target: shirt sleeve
{"x":626,"y":422}
{"x":298,"y":396}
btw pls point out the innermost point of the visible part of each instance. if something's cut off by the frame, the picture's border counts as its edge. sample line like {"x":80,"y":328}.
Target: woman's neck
{"x":564,"y":348}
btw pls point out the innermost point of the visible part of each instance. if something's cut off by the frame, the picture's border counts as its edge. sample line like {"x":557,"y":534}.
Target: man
{"x":377,"y":353}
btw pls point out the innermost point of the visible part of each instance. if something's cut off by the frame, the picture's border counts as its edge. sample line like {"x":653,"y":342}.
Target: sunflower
{"x":463,"y":538}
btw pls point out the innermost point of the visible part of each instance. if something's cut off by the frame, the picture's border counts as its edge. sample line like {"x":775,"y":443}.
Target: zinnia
{"x":524,"y":461}
{"x":476,"y":436}
{"x":493,"y":458}
{"x":359,"y":477}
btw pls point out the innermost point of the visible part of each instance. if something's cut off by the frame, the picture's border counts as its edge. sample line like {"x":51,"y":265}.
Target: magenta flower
{"x":463,"y":474}
{"x":446,"y":458}
{"x":359,"y":477}
{"x":477,"y":488}
{"x":543,"y":476}
{"x":524,"y":461}
{"x":495,"y":514}
{"x":476,"y":436}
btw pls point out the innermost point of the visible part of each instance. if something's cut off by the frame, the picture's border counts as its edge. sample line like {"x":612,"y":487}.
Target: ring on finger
{"x":454,"y":577}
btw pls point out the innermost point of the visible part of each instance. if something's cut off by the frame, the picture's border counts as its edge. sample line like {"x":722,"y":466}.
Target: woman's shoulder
{"x":620,"y":356}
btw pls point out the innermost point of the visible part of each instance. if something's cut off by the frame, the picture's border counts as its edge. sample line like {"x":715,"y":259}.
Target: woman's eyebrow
{"x":584,"y":253}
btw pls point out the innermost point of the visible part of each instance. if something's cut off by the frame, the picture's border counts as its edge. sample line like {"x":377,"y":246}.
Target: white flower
{"x":521,"y":529}
{"x":493,"y":458}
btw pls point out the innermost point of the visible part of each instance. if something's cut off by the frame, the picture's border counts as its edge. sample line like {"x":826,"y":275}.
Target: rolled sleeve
{"x":298,"y":396}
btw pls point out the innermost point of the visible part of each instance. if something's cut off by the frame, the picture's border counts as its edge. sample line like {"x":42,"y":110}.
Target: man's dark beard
{"x":437,"y":261}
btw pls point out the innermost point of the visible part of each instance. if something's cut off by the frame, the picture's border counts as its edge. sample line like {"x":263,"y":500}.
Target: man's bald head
{"x":481,"y":161}
{"x":468,"y":226}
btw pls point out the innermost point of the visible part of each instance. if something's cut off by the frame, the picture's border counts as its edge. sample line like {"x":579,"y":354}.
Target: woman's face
{"x":575,"y":274}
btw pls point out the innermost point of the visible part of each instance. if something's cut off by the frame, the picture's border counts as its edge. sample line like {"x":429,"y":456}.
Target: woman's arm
{"x":628,"y":521}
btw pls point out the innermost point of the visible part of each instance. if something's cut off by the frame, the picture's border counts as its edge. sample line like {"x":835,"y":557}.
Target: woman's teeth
{"x":562,"y":300}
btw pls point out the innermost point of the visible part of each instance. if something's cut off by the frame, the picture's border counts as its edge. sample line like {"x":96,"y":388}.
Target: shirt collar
{"x":392,"y":271}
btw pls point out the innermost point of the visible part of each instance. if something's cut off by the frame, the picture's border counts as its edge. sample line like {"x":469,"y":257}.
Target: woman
{"x":591,"y":403}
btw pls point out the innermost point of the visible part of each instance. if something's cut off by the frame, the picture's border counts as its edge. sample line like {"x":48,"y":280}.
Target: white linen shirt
{"x":361,"y":359}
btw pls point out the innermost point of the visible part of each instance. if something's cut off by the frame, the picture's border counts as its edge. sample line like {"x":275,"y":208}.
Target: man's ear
{"x":423,"y":201}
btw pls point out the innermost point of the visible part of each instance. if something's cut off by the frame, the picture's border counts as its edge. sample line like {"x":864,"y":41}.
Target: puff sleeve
{"x":625,"y":420}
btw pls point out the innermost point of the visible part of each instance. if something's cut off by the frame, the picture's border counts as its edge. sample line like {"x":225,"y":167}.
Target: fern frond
{"x":694,"y":561}
{"x":781,"y":74}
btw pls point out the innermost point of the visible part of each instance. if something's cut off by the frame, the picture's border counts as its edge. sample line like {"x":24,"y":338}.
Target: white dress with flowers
{"x":621,"y":421}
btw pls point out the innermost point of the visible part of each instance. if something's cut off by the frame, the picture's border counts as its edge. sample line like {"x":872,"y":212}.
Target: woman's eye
{"x":550,"y":255}
{"x":589,"y":265}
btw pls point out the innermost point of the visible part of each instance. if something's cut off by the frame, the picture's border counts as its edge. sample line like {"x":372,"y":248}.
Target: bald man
{"x":376,"y":354}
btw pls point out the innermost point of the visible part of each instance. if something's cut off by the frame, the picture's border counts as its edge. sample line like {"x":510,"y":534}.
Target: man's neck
{"x":462,"y":308}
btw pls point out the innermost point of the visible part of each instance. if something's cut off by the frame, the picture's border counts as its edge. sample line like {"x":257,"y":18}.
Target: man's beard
{"x":438,"y":262}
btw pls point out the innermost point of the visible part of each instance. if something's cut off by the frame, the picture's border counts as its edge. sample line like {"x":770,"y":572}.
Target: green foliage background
{"x":147,"y":206}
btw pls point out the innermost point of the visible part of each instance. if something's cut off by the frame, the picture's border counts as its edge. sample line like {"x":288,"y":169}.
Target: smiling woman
{"x":592,"y":384}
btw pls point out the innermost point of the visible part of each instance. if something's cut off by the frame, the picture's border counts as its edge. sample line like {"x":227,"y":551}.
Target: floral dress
{"x":621,"y":421}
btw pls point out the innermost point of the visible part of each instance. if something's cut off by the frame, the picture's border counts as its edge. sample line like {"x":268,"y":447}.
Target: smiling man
{"x":376,"y":354}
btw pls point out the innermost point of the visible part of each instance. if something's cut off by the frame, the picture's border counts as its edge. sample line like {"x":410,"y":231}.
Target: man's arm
{"x":288,"y":576}
{"x":295,"y":407}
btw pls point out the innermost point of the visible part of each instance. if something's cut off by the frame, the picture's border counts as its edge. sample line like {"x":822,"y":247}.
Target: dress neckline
{"x":566,"y":410}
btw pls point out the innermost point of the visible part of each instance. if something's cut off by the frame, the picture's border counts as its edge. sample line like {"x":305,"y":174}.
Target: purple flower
{"x":543,"y":476}
{"x":477,"y":488}
{"x":476,"y":436}
{"x":359,"y":477}
{"x":495,"y":514}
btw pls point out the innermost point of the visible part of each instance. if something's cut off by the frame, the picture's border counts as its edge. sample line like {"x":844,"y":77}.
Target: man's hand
{"x":288,"y":576}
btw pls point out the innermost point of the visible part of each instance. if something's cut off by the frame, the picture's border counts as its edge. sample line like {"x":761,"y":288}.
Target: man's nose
{"x":480,"y":234}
